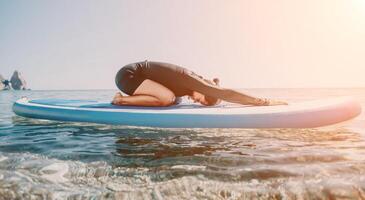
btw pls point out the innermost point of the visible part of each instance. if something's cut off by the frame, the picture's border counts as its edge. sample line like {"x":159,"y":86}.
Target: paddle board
{"x":307,"y":114}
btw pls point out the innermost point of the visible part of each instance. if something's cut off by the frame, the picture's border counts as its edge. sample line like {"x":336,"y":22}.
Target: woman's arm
{"x":230,"y":95}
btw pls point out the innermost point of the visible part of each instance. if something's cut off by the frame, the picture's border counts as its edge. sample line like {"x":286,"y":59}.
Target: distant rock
{"x":17,"y":81}
{"x":7,"y":85}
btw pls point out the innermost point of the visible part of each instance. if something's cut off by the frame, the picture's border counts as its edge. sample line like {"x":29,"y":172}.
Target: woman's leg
{"x":198,"y":84}
{"x":149,"y":93}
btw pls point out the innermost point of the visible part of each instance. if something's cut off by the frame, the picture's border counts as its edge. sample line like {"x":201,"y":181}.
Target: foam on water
{"x":22,"y":176}
{"x":55,"y":172}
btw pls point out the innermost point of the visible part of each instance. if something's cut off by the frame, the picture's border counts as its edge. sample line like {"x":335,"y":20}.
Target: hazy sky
{"x":283,"y":43}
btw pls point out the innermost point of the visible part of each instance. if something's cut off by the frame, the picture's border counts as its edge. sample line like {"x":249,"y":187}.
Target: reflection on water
{"x":155,"y":149}
{"x":49,"y":159}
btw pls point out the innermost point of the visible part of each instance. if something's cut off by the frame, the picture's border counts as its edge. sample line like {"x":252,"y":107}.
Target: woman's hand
{"x":269,"y":102}
{"x":277,"y":102}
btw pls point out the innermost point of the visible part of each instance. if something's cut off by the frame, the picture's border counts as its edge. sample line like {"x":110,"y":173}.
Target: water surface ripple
{"x":42,"y":159}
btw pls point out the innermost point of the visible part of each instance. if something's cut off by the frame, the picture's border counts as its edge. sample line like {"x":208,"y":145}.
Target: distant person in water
{"x":161,"y":84}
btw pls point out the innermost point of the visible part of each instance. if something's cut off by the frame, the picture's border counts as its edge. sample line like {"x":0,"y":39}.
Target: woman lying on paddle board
{"x":160,"y":84}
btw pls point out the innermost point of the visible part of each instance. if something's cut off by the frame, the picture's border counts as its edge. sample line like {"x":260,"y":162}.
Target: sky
{"x":247,"y":44}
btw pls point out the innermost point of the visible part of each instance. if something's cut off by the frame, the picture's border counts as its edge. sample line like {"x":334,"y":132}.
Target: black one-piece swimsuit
{"x":179,"y":80}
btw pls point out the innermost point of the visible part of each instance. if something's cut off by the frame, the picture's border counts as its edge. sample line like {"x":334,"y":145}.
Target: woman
{"x":159,"y":84}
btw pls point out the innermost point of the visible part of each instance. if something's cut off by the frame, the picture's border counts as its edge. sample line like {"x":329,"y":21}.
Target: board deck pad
{"x":306,"y":114}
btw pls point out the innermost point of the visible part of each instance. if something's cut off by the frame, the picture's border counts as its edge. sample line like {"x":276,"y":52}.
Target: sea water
{"x":41,"y":159}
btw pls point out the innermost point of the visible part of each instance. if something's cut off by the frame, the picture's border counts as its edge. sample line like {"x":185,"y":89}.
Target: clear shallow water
{"x":57,"y":160}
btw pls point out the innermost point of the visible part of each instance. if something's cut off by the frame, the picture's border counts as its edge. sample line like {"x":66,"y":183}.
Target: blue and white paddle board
{"x":307,"y":114}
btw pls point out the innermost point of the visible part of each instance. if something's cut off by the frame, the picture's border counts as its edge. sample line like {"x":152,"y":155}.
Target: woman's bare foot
{"x":117,"y":97}
{"x":118,"y":94}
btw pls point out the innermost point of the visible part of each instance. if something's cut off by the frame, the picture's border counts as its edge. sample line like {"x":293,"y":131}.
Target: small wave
{"x":27,"y":176}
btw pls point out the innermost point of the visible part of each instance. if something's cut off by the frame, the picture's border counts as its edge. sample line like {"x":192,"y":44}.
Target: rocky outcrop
{"x":4,"y":84}
{"x":7,"y":85}
{"x":17,"y":81}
